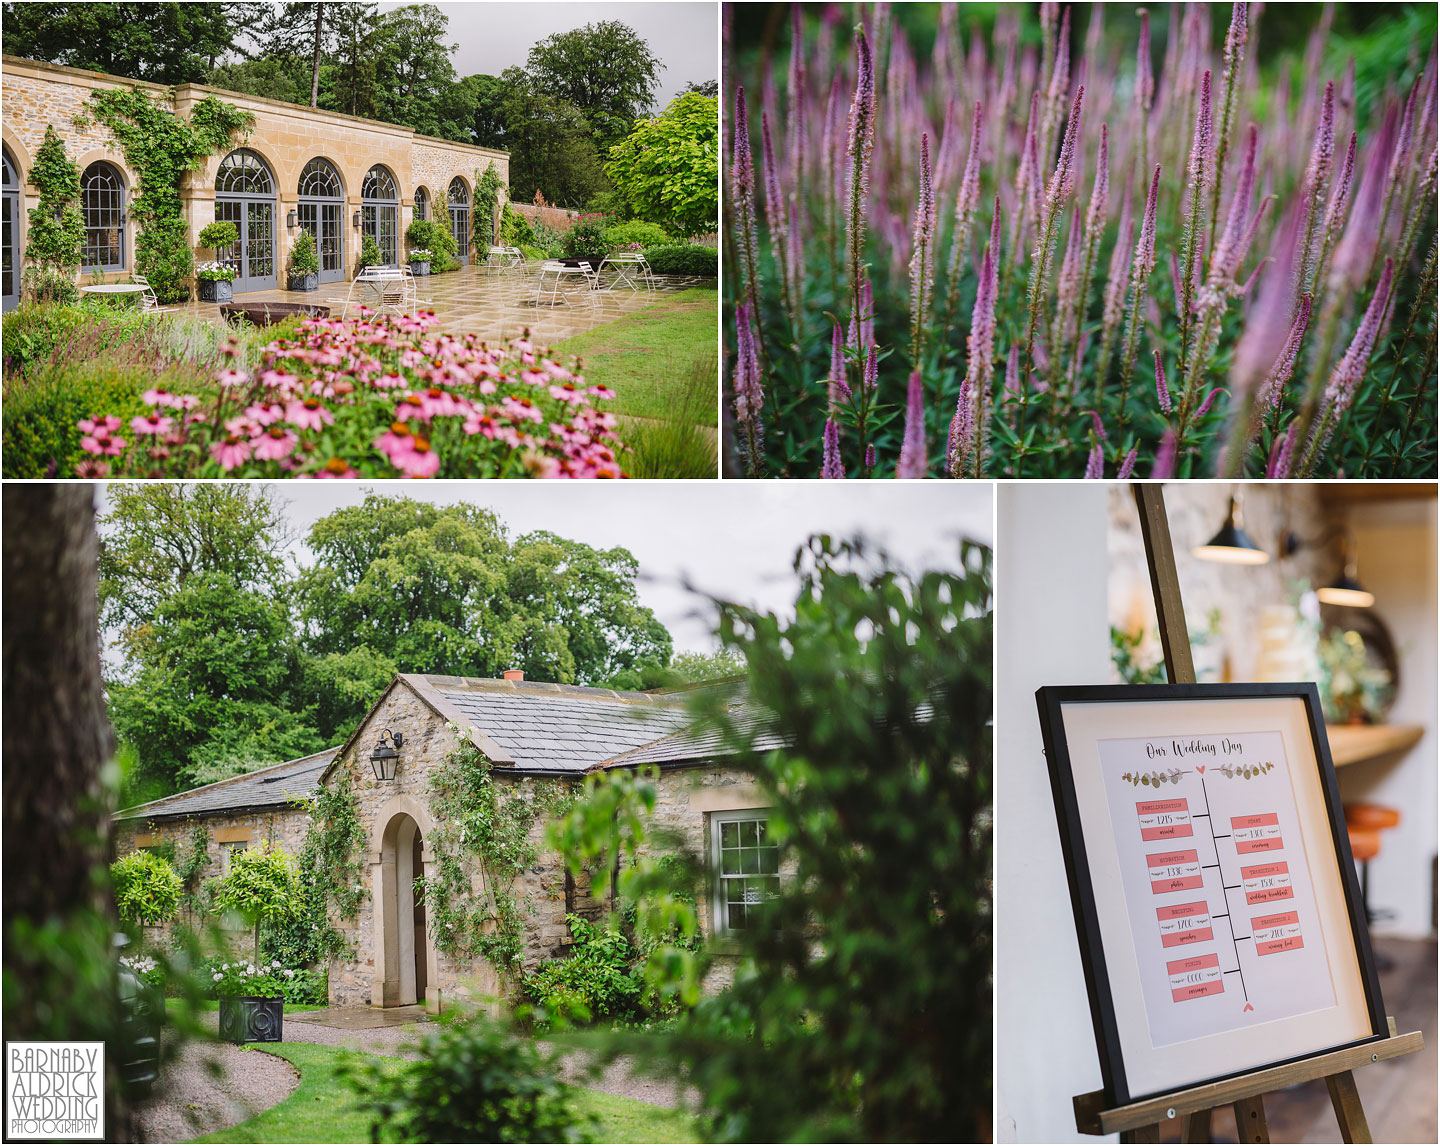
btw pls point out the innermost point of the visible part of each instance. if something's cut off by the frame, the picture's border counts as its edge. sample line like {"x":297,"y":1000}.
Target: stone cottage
{"x":339,"y":176}
{"x":531,"y":733}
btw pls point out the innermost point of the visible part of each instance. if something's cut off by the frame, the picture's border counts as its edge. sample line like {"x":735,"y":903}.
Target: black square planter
{"x":250,"y":1019}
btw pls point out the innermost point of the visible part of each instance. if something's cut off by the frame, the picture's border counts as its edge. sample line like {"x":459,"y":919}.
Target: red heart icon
{"x":1200,"y":768}
{"x":1248,"y":1007}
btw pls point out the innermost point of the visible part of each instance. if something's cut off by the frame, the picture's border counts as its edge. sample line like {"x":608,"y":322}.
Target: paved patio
{"x":495,"y":304}
{"x":361,"y":1018}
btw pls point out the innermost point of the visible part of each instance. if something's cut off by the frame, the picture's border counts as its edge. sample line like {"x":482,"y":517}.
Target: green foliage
{"x":863,"y":1011}
{"x":635,"y":235}
{"x":598,"y":980}
{"x":169,"y":43}
{"x":1123,"y":646}
{"x":370,"y":254}
{"x":514,"y":230}
{"x":213,"y":236}
{"x":488,"y":187}
{"x":190,"y":866}
{"x":549,"y":241}
{"x":586,"y":239}
{"x":668,"y":167}
{"x":429,"y":235}
{"x":147,"y":890}
{"x":57,"y":230}
{"x":304,"y":259}
{"x":605,"y":70}
{"x":262,"y":887}
{"x":331,"y":872}
{"x":552,"y":148}
{"x":697,"y":260}
{"x":472,"y":1081}
{"x":163,"y":149}
{"x":488,"y":824}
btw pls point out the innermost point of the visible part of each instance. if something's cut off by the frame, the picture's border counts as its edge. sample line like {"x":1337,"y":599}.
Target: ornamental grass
{"x":368,"y":397}
{"x":1164,"y":249}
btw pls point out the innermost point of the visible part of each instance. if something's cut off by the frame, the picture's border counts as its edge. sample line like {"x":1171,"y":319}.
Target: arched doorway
{"x":380,"y":212}
{"x":11,"y":227}
{"x":404,"y":956}
{"x":321,"y":208}
{"x":245,"y":196}
{"x":102,"y":204}
{"x":422,"y":203}
{"x":460,"y":218}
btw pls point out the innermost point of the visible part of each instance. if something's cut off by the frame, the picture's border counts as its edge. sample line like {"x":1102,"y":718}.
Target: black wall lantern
{"x":355,"y":220}
{"x":290,"y":220}
{"x":385,"y":757}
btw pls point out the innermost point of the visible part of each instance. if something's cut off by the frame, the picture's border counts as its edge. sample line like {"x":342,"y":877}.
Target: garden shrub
{"x":308,"y":985}
{"x":370,"y":255}
{"x":213,"y":236}
{"x":162,"y":255}
{"x":514,"y":230}
{"x":586,"y":239}
{"x":473,"y":1081}
{"x":304,"y":259}
{"x":262,"y":886}
{"x":600,"y":979}
{"x":692,"y":259}
{"x":56,"y":229}
{"x":147,"y":890}
{"x":548,"y":240}
{"x":636,"y":235}
{"x":428,"y":235}
{"x":488,"y":186}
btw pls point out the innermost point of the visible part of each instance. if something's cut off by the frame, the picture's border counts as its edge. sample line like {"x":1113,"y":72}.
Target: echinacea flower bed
{"x":369,"y":397}
{"x":1055,"y":252}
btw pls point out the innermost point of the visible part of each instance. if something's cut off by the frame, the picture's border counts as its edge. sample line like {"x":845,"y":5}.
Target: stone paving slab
{"x":496,"y":305}
{"x":361,"y":1018}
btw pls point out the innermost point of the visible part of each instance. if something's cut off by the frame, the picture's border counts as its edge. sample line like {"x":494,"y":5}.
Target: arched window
{"x":102,"y":203}
{"x":380,"y":212}
{"x":245,"y":196}
{"x":11,"y":226}
{"x":460,"y":217}
{"x":422,"y":203}
{"x":321,"y":211}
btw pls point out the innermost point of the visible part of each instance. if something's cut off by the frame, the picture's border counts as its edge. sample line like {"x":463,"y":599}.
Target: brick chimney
{"x":514,"y":674}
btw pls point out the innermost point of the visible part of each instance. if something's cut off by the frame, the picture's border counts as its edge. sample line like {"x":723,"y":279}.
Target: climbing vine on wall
{"x":190,"y":864}
{"x":487,"y":194}
{"x":162,"y":148}
{"x":57,"y":229}
{"x":489,"y":824}
{"x":331,"y":865}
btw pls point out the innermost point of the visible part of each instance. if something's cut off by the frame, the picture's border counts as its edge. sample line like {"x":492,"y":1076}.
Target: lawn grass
{"x":321,"y":1108}
{"x":643,"y":355}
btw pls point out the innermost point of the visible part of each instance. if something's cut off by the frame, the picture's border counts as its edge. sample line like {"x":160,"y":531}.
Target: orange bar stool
{"x":1364,"y":823}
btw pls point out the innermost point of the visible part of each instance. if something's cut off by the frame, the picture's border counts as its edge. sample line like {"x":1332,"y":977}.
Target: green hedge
{"x":645,"y":234}
{"x":702,"y":262}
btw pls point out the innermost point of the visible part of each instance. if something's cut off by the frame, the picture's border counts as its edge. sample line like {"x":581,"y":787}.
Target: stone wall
{"x":286,"y":136}
{"x":560,"y":218}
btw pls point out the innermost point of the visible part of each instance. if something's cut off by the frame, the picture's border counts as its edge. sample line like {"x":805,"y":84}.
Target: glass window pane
{"x":729,"y":835}
{"x":735,"y":917}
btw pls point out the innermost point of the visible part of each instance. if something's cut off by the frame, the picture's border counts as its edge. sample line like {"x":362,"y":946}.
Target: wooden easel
{"x":1140,"y":1121}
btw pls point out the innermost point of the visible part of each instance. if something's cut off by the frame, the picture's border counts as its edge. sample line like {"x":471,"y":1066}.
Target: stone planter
{"x":305,"y":282}
{"x":418,"y":269}
{"x":216,"y":290}
{"x":250,"y":1019}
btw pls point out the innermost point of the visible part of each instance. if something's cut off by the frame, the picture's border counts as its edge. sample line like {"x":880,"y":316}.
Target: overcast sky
{"x":495,"y":36}
{"x":733,"y":539}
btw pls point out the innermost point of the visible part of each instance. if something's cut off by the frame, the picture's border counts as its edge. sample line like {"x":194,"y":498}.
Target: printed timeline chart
{"x":1217,"y":884}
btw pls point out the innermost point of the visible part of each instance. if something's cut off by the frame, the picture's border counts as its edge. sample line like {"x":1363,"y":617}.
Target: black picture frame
{"x":1050,"y":701}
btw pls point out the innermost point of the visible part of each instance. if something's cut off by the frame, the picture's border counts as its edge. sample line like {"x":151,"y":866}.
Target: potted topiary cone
{"x":213,"y":237}
{"x":304,"y":263}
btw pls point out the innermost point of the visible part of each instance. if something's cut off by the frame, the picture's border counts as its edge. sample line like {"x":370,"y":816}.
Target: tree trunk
{"x":315,"y":64}
{"x":56,"y":739}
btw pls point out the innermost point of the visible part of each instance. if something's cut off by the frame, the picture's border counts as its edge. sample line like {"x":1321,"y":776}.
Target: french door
{"x":322,"y":219}
{"x":253,"y":257}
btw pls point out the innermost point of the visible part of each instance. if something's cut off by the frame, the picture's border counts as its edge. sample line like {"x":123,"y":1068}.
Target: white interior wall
{"x":1050,"y":607}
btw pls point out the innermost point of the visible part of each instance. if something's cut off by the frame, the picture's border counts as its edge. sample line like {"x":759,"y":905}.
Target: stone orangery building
{"x":532,"y":734}
{"x":337,"y":175}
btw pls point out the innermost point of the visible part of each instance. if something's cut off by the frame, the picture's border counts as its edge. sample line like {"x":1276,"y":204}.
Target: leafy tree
{"x":281,"y":78}
{"x":170,"y":43}
{"x":605,"y":70}
{"x":668,"y":167}
{"x":709,"y":88}
{"x":147,"y":888}
{"x":413,"y":69}
{"x":156,"y":537}
{"x":262,"y":886}
{"x":211,"y":688}
{"x":864,"y":1011}
{"x":478,"y":102}
{"x":349,"y":85}
{"x":552,"y":149}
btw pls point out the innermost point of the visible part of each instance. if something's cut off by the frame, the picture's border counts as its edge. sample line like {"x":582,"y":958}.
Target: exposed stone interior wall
{"x":1196,"y":510}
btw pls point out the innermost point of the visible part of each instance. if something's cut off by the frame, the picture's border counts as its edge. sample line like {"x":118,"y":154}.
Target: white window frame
{"x":719,"y":915}
{"x":228,"y":851}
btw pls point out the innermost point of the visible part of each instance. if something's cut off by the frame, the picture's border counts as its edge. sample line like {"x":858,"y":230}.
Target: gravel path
{"x":191,"y":1099}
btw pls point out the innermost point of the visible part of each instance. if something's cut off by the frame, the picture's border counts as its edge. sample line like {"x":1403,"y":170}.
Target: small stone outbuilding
{"x":531,"y":733}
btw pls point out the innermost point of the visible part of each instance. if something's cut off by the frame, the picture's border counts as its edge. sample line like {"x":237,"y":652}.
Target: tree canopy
{"x":605,"y":70}
{"x":666,"y":168}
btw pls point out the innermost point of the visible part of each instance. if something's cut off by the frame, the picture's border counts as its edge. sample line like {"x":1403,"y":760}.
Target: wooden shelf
{"x":1355,"y":743}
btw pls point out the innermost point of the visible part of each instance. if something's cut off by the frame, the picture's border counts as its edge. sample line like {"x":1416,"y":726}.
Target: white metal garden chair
{"x":631,"y":269}
{"x":559,"y":273}
{"x":503,"y":258}
{"x":148,"y":301}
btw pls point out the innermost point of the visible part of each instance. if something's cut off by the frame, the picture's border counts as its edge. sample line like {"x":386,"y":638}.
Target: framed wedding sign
{"x":1215,"y":898}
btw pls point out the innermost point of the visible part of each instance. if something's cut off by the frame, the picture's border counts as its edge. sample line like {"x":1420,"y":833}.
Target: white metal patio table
{"x":625,"y":265}
{"x":128,"y":293}
{"x":561,"y":272}
{"x":393,"y":287}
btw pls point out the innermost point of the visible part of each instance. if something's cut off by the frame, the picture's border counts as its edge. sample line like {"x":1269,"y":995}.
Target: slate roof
{"x":265,"y":787}
{"x":692,"y":744}
{"x":561,"y":728}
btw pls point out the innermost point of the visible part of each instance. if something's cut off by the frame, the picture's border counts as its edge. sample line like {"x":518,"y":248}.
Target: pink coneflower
{"x":308,"y":414}
{"x":336,"y":469}
{"x":159,"y":397}
{"x":830,"y":465}
{"x":92,"y":469}
{"x":152,"y":424}
{"x":913,"y":455}
{"x":419,"y":461}
{"x":228,"y":378}
{"x":231,"y":451}
{"x":274,"y":443}
{"x":263,"y":414}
